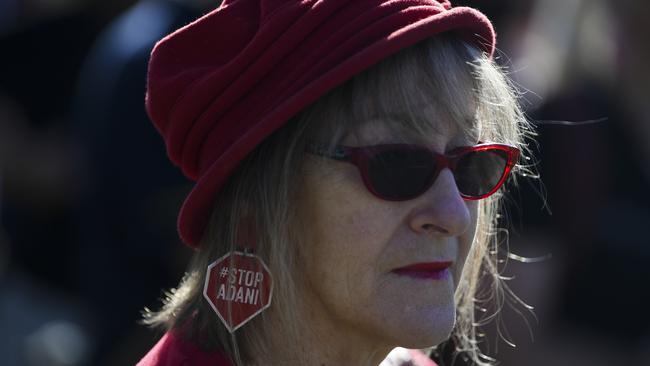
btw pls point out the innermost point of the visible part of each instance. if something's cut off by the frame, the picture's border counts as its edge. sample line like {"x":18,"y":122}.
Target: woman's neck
{"x":321,"y":341}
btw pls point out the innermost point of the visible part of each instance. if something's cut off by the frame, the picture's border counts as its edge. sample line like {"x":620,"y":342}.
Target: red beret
{"x":220,"y":85}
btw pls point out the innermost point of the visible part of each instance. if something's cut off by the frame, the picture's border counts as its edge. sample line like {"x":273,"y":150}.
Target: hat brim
{"x":470,"y":24}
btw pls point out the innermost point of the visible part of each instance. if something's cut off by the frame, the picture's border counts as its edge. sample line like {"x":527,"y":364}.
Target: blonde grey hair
{"x":458,"y":81}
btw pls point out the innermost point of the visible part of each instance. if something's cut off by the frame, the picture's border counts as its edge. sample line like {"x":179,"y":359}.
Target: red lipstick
{"x":428,"y":270}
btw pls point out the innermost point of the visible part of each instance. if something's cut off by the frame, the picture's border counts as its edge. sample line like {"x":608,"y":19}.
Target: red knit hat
{"x":222,"y":84}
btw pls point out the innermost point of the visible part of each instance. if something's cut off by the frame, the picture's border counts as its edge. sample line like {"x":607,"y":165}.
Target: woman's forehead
{"x":414,"y":116}
{"x":414,"y":96}
{"x":442,"y":132}
{"x":413,"y":108}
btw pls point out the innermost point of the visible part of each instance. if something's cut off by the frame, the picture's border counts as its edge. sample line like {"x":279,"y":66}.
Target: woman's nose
{"x":441,"y":210}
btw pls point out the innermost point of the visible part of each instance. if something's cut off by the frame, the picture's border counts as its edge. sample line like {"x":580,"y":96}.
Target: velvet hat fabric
{"x":222,"y":84}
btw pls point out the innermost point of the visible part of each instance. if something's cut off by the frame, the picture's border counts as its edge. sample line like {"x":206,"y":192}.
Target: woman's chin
{"x":425,"y":331}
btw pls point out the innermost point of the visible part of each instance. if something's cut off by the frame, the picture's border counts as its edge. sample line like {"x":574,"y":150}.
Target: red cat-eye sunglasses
{"x":400,"y":172}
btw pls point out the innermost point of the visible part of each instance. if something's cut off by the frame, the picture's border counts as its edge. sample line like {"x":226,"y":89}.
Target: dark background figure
{"x":580,"y":67}
{"x":128,"y":208}
{"x":88,"y":211}
{"x":44,"y":319}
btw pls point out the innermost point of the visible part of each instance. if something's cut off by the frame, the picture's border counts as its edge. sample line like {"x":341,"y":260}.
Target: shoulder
{"x":171,"y":350}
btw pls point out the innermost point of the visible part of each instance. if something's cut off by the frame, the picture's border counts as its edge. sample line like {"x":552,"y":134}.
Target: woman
{"x":348,"y":158}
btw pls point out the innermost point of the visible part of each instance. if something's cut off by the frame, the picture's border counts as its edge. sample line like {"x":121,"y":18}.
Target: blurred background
{"x":88,"y":200}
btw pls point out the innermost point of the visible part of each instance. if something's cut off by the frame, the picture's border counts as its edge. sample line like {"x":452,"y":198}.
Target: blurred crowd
{"x":88,"y":200}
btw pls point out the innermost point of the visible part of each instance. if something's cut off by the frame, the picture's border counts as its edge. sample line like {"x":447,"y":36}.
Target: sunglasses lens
{"x":479,"y":172}
{"x":400,"y":174}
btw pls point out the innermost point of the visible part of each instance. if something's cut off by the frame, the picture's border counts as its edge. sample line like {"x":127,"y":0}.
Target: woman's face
{"x":356,"y":242}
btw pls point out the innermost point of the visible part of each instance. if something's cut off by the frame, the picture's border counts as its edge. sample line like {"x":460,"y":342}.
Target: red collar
{"x":173,"y":350}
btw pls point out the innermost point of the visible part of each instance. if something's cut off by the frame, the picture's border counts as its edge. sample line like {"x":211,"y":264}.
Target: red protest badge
{"x":238,"y":286}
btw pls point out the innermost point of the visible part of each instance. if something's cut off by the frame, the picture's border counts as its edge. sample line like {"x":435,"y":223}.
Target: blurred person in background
{"x":43,"y":321}
{"x":582,"y":64}
{"x":348,"y":158}
{"x":119,"y":213}
{"x":54,"y":304}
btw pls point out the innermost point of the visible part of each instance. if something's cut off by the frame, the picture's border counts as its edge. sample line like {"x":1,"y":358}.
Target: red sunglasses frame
{"x":361,"y":156}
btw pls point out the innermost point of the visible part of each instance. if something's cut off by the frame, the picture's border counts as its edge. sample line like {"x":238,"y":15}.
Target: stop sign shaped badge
{"x":238,"y":286}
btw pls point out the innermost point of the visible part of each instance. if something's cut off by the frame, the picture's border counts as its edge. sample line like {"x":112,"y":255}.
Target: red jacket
{"x":171,"y":350}
{"x":174,"y":351}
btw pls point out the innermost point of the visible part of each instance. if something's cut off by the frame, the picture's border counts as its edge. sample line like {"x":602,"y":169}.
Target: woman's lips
{"x":429,"y":270}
